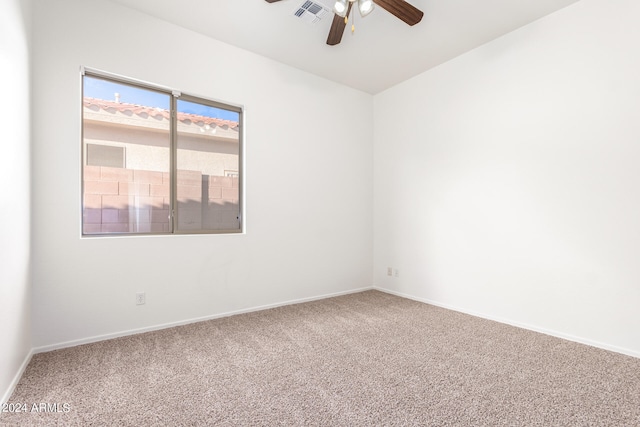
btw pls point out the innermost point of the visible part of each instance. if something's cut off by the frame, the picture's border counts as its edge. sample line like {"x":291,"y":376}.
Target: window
{"x":105,"y":155}
{"x":157,"y":161}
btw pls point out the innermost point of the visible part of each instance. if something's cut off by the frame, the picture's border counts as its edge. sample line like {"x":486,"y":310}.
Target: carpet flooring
{"x":365,"y":359}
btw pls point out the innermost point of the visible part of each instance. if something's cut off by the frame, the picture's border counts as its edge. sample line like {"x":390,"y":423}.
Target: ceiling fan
{"x":399,"y":8}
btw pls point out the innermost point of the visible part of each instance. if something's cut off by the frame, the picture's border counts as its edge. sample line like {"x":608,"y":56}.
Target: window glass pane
{"x":126,"y":164}
{"x":208,"y":167}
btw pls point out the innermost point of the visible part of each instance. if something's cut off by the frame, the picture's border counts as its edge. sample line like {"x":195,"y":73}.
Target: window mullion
{"x":173,"y":175}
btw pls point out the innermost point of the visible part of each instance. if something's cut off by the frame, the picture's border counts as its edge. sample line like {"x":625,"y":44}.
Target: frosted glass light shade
{"x":340,"y":8}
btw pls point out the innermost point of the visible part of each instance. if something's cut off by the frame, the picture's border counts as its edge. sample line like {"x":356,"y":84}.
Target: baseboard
{"x":529,"y":327}
{"x":16,"y":379}
{"x":104,"y":337}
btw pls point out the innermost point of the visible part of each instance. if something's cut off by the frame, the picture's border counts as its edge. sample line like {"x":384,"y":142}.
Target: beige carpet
{"x":365,"y":359}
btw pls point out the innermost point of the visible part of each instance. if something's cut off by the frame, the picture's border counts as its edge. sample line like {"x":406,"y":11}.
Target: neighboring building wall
{"x":147,"y":147}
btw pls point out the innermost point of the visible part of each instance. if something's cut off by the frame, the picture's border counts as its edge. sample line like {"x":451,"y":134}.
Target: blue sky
{"x":105,"y":89}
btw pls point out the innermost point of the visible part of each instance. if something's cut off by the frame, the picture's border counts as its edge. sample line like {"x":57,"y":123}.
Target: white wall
{"x":15,"y":287}
{"x":308,"y":230}
{"x":507,"y":180}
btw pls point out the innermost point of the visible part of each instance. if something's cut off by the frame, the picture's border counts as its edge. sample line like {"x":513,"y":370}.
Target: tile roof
{"x":144,"y":111}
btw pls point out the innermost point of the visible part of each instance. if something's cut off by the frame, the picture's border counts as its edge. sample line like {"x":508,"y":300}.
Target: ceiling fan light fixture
{"x":340,"y":7}
{"x":365,"y":7}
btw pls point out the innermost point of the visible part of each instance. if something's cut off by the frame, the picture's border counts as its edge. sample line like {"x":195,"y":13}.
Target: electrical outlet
{"x":141,"y":298}
{"x":389,"y":271}
{"x":396,"y":273}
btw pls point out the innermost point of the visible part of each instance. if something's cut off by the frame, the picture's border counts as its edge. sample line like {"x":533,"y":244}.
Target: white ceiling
{"x":383,"y":51}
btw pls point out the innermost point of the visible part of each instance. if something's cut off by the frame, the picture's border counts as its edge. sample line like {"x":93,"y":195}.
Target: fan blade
{"x":337,"y":28}
{"x":402,"y":10}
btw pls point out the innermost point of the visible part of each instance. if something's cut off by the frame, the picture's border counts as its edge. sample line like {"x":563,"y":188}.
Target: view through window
{"x":156,"y":161}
